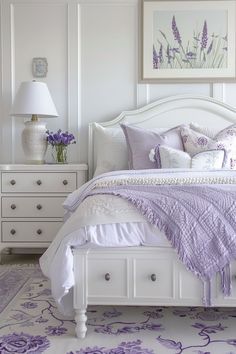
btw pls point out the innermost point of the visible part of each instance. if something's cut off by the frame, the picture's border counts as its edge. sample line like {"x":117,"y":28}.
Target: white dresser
{"x":31,"y":202}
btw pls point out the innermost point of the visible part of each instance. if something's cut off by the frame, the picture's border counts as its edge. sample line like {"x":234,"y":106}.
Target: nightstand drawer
{"x":43,"y":182}
{"x":32,"y":207}
{"x":30,"y":231}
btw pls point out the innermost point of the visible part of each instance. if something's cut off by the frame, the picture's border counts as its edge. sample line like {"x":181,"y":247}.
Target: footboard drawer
{"x":107,"y":278}
{"x":153,"y":278}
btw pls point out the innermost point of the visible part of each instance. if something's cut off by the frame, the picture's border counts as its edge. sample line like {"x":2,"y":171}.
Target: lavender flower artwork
{"x":187,"y":40}
{"x":59,"y":142}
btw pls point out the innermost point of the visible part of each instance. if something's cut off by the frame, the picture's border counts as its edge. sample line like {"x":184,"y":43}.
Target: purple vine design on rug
{"x":205,"y":334}
{"x":123,"y":348}
{"x":23,"y":343}
{"x":205,"y":314}
{"x":128,"y":327}
{"x":32,"y":317}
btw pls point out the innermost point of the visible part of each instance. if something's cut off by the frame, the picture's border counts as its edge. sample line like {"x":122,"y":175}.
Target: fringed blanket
{"x":198,"y":220}
{"x":195,"y":209}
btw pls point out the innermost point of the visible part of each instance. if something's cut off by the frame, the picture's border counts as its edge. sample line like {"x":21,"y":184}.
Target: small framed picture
{"x":39,"y":67}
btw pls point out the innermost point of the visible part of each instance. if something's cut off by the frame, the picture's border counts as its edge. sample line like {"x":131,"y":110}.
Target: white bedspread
{"x":106,"y":221}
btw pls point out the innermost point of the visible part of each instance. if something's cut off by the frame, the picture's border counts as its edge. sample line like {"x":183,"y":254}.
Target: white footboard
{"x":137,"y":276}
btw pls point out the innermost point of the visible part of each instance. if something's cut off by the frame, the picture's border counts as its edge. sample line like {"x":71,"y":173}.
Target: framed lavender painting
{"x":188,"y":40}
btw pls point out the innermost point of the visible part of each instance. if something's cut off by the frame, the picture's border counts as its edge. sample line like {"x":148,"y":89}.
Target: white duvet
{"x":105,"y":221}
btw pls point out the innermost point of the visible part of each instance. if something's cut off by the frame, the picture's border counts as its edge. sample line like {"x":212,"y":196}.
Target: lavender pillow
{"x":140,"y":141}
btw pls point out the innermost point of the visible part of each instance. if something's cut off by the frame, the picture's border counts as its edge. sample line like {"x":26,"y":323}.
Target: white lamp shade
{"x":33,"y":98}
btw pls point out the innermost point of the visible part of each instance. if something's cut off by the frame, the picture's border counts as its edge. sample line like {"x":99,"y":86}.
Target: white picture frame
{"x":186,"y":41}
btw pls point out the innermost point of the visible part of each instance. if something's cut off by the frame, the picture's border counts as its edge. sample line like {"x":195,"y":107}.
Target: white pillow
{"x":111,"y":153}
{"x":111,"y":150}
{"x":207,"y":160}
{"x":210,"y":132}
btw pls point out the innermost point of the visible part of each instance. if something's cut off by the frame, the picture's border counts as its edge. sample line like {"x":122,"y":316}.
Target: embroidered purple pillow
{"x":140,"y":141}
{"x":195,"y":142}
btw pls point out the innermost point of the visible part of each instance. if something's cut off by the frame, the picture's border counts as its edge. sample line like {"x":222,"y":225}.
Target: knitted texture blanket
{"x":198,"y":220}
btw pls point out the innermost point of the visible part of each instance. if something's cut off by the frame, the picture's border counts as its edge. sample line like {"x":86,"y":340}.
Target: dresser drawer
{"x":30,"y":231}
{"x":153,"y":278}
{"x":107,"y":278}
{"x":43,"y":182}
{"x":31,"y":207}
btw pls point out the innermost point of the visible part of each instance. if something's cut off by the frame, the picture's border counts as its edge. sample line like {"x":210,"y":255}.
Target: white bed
{"x":137,"y":275}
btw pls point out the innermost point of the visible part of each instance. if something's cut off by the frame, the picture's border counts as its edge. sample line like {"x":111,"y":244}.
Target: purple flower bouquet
{"x":59,"y":142}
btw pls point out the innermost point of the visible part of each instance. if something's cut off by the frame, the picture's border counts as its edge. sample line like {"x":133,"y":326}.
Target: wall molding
{"x":218,"y":91}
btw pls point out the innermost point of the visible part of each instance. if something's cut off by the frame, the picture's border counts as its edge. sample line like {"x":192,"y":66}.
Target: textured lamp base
{"x":34,"y":142}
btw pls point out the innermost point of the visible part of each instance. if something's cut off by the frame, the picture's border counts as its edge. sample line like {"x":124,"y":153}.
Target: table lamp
{"x":33,"y":99}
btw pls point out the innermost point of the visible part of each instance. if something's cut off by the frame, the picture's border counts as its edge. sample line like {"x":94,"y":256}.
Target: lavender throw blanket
{"x":199,"y":221}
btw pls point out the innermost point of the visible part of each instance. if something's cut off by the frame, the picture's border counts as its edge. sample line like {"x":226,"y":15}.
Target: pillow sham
{"x":214,"y":134}
{"x":195,"y":142}
{"x":111,"y":149}
{"x":206,"y":160}
{"x":140,"y":141}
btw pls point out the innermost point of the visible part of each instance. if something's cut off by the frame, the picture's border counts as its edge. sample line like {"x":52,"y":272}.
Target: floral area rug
{"x":31,"y":324}
{"x":12,"y":280}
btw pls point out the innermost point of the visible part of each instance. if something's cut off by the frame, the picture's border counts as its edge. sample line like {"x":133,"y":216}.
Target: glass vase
{"x":59,"y":153}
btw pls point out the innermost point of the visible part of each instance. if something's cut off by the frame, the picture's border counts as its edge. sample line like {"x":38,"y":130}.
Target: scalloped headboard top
{"x":168,"y":113}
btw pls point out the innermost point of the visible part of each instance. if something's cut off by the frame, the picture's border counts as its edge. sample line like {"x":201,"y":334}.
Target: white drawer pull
{"x":13,"y":231}
{"x":39,"y":182}
{"x":13,"y":206}
{"x":39,"y":206}
{"x":153,"y":277}
{"x":13,"y":182}
{"x":65,"y":182}
{"x":107,"y":277}
{"x":39,"y":231}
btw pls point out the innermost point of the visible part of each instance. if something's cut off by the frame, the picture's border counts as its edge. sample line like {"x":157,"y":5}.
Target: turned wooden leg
{"x":80,"y":319}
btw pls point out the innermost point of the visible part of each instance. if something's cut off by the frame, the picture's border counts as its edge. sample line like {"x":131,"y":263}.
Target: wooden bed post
{"x":80,"y":292}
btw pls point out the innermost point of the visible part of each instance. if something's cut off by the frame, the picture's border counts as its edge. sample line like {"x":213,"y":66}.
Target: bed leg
{"x":80,"y":319}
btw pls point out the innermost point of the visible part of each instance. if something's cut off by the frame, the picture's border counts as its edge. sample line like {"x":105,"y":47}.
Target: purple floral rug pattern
{"x":33,"y":325}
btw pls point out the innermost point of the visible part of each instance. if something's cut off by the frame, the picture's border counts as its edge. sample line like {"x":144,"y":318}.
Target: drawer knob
{"x":107,"y":277}
{"x":39,"y":231}
{"x":13,"y":182}
{"x":39,"y":206}
{"x":13,"y":231}
{"x":13,"y":206}
{"x":39,"y":182}
{"x":65,"y":182}
{"x":153,"y":277}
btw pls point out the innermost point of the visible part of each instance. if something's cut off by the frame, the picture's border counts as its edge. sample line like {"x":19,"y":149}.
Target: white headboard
{"x":170,"y":112}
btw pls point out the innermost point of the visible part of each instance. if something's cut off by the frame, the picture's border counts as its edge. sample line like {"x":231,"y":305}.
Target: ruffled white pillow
{"x":206,"y":160}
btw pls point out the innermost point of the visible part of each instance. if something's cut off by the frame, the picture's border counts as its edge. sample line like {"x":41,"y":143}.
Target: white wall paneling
{"x":93,"y":50}
{"x":108,"y":60}
{"x":30,"y":29}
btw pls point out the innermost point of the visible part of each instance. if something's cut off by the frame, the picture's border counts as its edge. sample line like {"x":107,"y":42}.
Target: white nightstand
{"x":31,"y":202}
